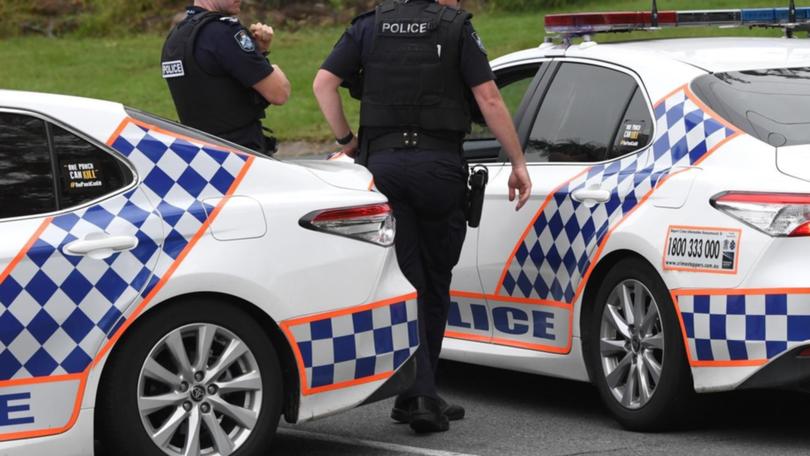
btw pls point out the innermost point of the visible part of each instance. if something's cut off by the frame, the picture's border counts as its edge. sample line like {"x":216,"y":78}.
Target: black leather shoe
{"x":400,"y":413}
{"x":426,"y":415}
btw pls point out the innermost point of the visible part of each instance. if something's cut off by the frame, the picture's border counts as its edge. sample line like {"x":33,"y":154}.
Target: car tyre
{"x":635,"y":351}
{"x":147,"y":388}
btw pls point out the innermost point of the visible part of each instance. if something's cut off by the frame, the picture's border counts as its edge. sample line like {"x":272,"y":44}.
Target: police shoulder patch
{"x":173,"y":69}
{"x":245,"y":41}
{"x":479,"y":42}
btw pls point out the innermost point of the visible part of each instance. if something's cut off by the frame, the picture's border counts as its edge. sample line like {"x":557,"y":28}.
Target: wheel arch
{"x":670,"y":406}
{"x":289,"y":369}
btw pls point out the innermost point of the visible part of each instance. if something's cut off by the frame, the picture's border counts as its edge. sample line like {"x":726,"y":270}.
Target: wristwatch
{"x":346,"y":139}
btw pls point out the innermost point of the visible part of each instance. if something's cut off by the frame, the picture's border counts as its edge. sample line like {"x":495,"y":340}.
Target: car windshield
{"x":772,"y":105}
{"x":189,"y":132}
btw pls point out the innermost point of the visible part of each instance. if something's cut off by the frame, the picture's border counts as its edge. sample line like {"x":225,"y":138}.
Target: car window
{"x":580,"y":115}
{"x":85,"y":171}
{"x":636,"y":128}
{"x":513,"y":84}
{"x":26,"y":175}
{"x":771,"y":104}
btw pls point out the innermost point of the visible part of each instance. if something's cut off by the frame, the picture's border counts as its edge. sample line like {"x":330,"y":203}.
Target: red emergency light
{"x":606,"y":22}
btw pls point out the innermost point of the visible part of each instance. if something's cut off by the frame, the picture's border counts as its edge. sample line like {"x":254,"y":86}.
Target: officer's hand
{"x":521,"y":183}
{"x":263,"y":34}
{"x":351,"y":148}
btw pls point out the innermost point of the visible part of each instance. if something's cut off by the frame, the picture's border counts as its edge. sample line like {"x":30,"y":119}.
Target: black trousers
{"x":426,"y":190}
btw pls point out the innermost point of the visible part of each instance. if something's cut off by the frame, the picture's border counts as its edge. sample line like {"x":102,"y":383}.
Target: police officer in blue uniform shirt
{"x":417,"y":66}
{"x":219,"y":76}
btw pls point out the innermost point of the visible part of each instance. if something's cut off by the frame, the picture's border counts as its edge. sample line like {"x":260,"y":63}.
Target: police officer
{"x":219,"y":76}
{"x":414,"y":64}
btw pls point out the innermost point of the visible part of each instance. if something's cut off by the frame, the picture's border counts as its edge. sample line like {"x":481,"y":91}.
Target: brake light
{"x":775,"y":214}
{"x":371,"y":223}
{"x":801,"y":230}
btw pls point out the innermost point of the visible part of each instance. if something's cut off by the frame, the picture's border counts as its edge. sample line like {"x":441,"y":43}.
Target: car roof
{"x":95,"y":118}
{"x":35,"y":101}
{"x":710,"y":54}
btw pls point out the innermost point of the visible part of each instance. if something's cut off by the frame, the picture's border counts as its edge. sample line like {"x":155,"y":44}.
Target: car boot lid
{"x":338,"y":173}
{"x":794,"y":161}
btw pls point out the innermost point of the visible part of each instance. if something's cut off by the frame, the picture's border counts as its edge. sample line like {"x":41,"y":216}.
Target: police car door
{"x":469,"y":317}
{"x":76,"y":250}
{"x":582,"y":118}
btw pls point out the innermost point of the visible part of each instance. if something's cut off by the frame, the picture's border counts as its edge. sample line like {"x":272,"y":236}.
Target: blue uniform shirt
{"x":224,"y":47}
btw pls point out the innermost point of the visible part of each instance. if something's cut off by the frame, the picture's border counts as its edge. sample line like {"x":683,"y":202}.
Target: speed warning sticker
{"x":700,"y":249}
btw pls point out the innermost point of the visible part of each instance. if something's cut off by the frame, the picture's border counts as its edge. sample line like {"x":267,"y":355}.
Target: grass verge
{"x":127,"y":69}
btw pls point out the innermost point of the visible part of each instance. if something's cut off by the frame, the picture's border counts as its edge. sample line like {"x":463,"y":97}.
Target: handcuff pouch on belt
{"x":479,"y":177}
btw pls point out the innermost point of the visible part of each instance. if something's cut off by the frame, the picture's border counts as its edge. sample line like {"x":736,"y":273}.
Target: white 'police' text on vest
{"x":405,"y":28}
{"x":173,"y":69}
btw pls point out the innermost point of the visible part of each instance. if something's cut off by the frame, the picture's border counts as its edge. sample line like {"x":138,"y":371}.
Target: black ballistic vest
{"x":412,"y":78}
{"x":214,"y":104}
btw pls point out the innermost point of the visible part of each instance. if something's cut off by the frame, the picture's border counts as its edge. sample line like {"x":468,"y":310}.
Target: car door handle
{"x":100,"y":246}
{"x":591,"y":196}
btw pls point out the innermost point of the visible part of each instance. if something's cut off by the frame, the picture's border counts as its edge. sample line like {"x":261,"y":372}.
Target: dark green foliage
{"x":116,"y":17}
{"x":526,"y":5}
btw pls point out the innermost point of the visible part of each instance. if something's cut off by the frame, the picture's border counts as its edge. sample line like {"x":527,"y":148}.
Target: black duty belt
{"x":411,"y":140}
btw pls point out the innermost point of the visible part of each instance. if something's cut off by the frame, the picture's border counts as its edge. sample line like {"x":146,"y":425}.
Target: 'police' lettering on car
{"x":506,"y":320}
{"x":405,"y":28}
{"x":13,"y":408}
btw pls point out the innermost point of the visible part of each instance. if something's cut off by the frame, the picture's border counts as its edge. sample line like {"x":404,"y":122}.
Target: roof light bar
{"x":588,"y":23}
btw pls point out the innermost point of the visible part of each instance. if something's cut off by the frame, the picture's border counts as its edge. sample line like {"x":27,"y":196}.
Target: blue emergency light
{"x":790,"y":18}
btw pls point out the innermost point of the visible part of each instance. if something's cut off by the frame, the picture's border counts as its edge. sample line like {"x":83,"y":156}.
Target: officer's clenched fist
{"x":263,"y":34}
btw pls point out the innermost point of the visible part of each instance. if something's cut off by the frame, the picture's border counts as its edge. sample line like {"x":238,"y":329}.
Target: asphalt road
{"x":511,"y":413}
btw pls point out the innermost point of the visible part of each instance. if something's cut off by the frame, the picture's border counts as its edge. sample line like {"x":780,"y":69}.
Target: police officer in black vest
{"x":219,"y":76}
{"x":417,"y":66}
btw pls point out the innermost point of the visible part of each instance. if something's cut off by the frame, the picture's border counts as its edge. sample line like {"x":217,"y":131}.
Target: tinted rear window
{"x":772,"y":105}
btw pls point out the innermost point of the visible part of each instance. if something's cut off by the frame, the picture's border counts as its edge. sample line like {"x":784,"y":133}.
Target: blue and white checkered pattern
{"x":357,"y":345}
{"x":58,"y":310}
{"x":554,"y":256}
{"x":744,"y":327}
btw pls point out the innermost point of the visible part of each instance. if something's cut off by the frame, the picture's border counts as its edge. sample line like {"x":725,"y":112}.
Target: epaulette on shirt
{"x":364,"y":15}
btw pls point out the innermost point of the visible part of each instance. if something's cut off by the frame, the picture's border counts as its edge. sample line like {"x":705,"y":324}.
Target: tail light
{"x":372,"y":223}
{"x":775,"y":214}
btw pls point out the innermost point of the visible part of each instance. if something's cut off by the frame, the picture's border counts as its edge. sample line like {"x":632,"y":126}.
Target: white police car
{"x":665,"y":248}
{"x":169,"y":293}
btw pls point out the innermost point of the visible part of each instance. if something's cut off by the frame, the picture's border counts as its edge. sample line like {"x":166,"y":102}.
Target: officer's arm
{"x":275,"y":88}
{"x":326,"y":87}
{"x":499,"y":120}
{"x":500,"y":123}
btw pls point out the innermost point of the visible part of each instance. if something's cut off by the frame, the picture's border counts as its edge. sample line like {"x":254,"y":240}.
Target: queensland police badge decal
{"x":245,"y":41}
{"x":479,"y":42}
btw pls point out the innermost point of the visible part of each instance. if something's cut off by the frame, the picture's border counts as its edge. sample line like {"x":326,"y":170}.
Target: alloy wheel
{"x":631,"y":344}
{"x":199,"y":392}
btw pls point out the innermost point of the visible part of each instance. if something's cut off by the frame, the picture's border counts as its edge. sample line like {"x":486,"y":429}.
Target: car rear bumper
{"x":791,"y":371}
{"x":748,"y":336}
